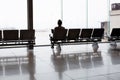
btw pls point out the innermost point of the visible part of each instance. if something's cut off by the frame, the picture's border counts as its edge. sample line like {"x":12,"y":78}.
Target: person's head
{"x":59,"y":22}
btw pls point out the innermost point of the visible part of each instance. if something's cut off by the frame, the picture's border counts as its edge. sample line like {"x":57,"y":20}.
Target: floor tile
{"x":52,"y":76}
{"x":76,"y":62}
{"x":114,"y":76}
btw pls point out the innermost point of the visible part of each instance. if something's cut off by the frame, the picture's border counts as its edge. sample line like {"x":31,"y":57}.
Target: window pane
{"x":74,"y":13}
{"x":46,"y":13}
{"x":13,"y":14}
{"x":97,"y":13}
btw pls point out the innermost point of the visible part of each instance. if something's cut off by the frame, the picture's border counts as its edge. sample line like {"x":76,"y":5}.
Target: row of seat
{"x":11,"y":35}
{"x":17,"y":37}
{"x":76,"y":35}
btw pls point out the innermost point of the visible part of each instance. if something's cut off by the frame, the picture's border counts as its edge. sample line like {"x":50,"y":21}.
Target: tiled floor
{"x":76,"y":62}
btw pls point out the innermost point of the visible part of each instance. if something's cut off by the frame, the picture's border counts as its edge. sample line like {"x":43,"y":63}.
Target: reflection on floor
{"x":73,"y":63}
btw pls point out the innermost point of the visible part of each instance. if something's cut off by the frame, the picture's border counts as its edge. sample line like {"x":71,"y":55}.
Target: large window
{"x":74,"y":13}
{"x":46,"y":13}
{"x":97,"y":12}
{"x":13,"y":14}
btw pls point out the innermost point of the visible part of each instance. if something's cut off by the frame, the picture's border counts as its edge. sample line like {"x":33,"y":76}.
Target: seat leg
{"x":113,"y":44}
{"x":58,"y":49}
{"x":30,"y":46}
{"x":52,"y":45}
{"x":95,"y":47}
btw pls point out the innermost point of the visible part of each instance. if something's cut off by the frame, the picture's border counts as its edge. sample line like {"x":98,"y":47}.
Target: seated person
{"x":59,"y":27}
{"x":59,"y":31}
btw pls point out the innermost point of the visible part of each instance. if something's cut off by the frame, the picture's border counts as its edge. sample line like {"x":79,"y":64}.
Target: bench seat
{"x":79,"y":36}
{"x":17,"y":37}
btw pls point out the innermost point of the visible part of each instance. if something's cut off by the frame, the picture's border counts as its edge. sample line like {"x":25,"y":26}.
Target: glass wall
{"x":13,"y":14}
{"x":74,"y":13}
{"x":46,"y":13}
{"x":97,"y":13}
